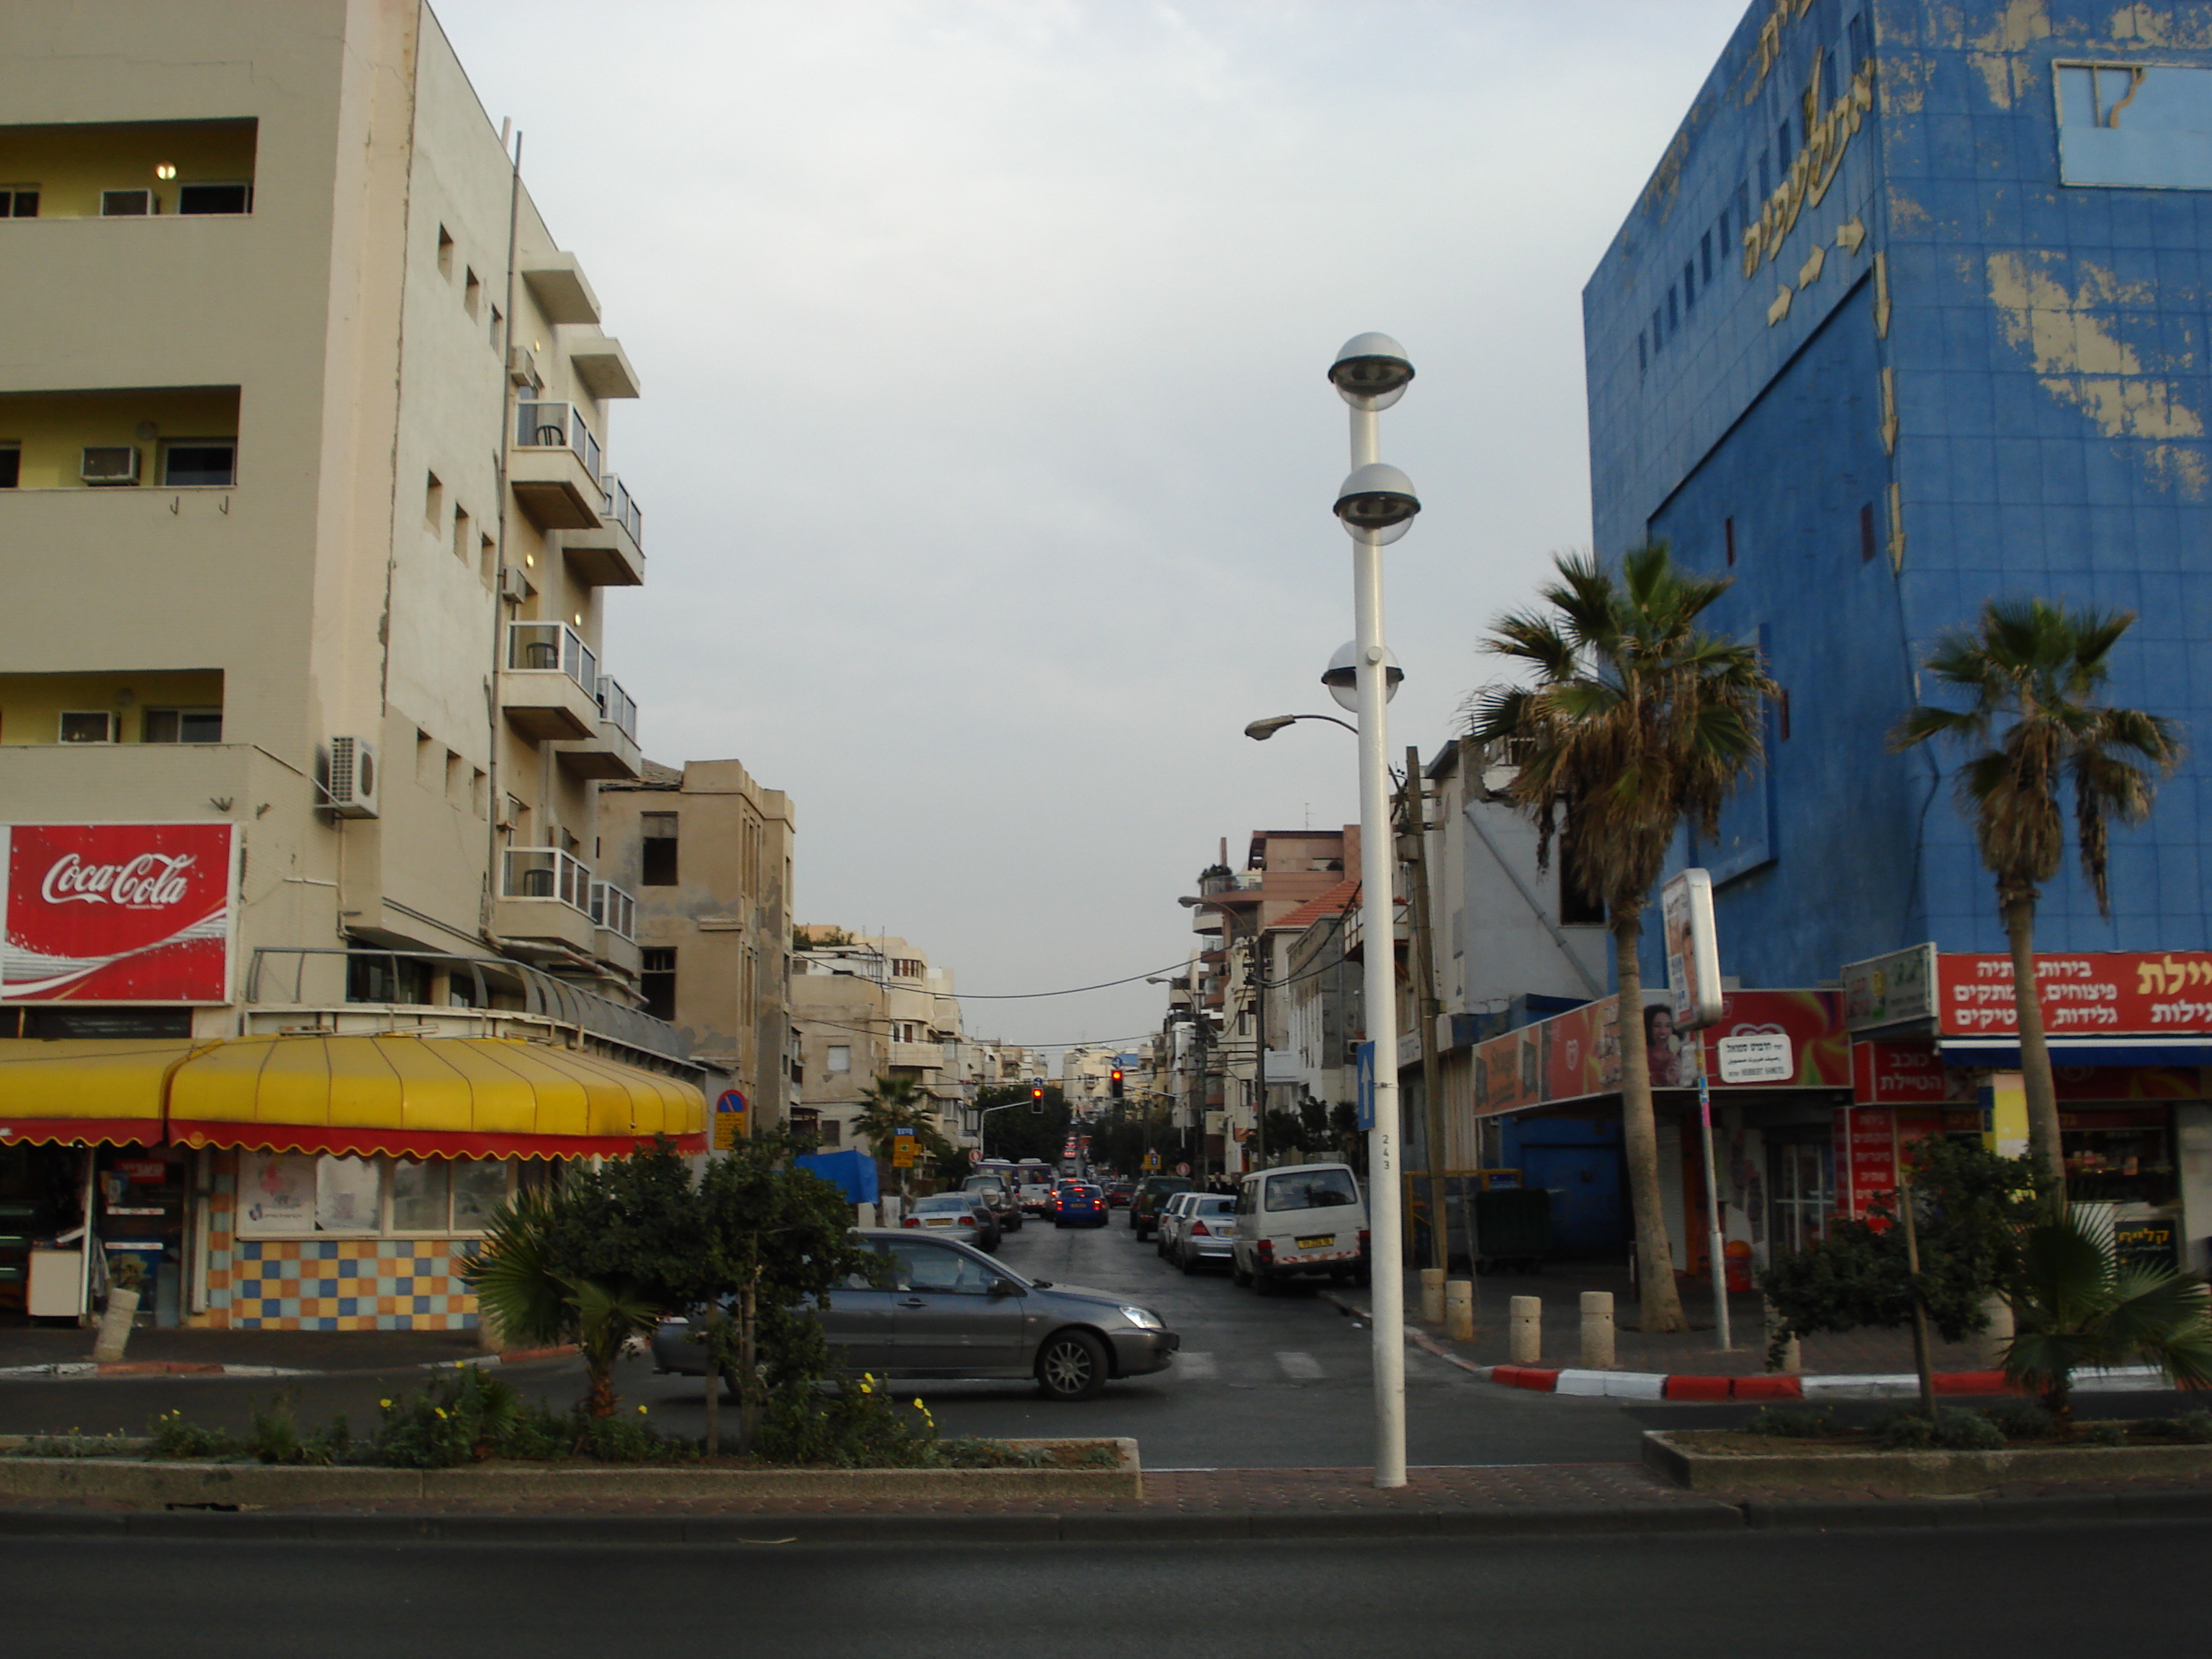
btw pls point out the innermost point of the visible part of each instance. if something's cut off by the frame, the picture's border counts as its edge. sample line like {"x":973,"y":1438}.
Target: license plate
{"x":938,"y":1221}
{"x":1320,"y":1242}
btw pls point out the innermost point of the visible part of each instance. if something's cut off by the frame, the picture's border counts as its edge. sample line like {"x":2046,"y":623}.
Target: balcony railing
{"x":623,"y":508}
{"x":558,"y":426}
{"x":552,"y":646}
{"x":613,"y":909}
{"x":615,"y":708}
{"x":546,"y":873}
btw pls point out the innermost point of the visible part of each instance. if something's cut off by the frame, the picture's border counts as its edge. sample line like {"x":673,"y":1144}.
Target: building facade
{"x":306,"y":524}
{"x":871,"y":1009}
{"x":707,"y":852}
{"x":1908,"y":316}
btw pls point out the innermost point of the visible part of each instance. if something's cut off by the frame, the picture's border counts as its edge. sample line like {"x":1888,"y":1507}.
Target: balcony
{"x":550,"y":687}
{"x":612,"y":555}
{"x":921,"y":1056}
{"x":554,"y":466}
{"x":614,"y":915}
{"x":544,"y":896}
{"x":611,"y":750}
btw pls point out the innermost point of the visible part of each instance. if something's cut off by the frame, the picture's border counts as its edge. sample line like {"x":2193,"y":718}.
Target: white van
{"x":1306,"y":1220}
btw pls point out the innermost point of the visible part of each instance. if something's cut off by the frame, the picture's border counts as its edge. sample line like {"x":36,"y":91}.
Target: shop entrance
{"x":1800,"y":1184}
{"x":42,"y":1232}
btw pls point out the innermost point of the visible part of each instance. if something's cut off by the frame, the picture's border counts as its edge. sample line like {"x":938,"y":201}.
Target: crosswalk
{"x":1200,"y":1365}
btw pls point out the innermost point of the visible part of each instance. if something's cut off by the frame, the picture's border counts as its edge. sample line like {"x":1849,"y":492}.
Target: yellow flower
{"x":387,"y":1404}
{"x":441,"y":1410}
{"x":919,"y":1406}
{"x":640,"y":1411}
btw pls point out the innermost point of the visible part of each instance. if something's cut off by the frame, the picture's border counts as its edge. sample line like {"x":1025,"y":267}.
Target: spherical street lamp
{"x":1341,"y":677}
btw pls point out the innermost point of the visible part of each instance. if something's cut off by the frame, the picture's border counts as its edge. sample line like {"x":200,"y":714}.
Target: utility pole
{"x":1413,"y":801}
{"x":1260,"y":967}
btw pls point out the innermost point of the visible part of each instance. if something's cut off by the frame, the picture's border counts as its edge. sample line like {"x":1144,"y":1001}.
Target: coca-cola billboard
{"x":100,"y":913}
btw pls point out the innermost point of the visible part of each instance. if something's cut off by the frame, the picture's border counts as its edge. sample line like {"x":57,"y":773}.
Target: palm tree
{"x":2074,"y":1306}
{"x":2034,"y":671}
{"x":893,"y":1104}
{"x":1637,"y":720}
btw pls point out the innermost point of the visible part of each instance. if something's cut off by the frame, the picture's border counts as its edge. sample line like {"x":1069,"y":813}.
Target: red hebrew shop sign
{"x":2097,"y":991}
{"x":116,"y":912}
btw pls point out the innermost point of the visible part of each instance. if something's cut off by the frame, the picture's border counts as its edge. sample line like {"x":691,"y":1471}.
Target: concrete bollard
{"x":1459,"y":1310}
{"x":1597,"y":1330}
{"x":1793,"y":1358}
{"x":1432,"y":1295}
{"x":1524,"y":1338}
{"x":1991,"y":1343}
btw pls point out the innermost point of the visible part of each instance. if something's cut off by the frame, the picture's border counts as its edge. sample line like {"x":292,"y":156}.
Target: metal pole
{"x":1376,"y":858}
{"x":1261,"y":967}
{"x":1428,"y":1007}
{"x":1713,"y":1215}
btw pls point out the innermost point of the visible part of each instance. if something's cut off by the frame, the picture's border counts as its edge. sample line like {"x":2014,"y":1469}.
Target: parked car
{"x":962,"y":1216}
{"x":1299,"y":1222}
{"x":998,"y":1197}
{"x":1079,"y":1204}
{"x":1176,"y":1204}
{"x":940,"y":1309}
{"x":1152,"y":1192}
{"x":1199,"y":1232}
{"x":1119,"y":1193}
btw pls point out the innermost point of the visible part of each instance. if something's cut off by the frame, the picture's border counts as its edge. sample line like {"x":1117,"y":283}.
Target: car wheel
{"x":1072,"y":1365}
{"x":1237,"y":1276}
{"x":1187,"y":1262}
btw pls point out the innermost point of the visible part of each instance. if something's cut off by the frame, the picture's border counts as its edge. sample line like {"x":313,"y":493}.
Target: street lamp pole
{"x":1377,"y":505}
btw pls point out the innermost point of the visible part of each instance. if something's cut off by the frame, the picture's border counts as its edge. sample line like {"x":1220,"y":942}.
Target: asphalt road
{"x":1837,"y":1596}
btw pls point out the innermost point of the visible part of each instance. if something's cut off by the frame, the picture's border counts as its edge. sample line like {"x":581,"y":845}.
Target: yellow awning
{"x":92,"y":1089}
{"x":426,"y":1096}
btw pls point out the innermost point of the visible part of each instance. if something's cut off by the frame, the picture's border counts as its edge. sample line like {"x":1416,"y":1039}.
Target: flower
{"x":441,"y":1410}
{"x":387,"y":1404}
{"x":640,"y":1411}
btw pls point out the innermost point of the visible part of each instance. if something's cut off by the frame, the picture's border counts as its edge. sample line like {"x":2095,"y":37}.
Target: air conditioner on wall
{"x":110,"y":463}
{"x":352,"y":781}
{"x":513,"y":584}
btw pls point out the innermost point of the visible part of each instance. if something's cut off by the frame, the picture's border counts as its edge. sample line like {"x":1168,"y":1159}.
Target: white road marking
{"x":1299,"y":1367}
{"x":1200,"y":1365}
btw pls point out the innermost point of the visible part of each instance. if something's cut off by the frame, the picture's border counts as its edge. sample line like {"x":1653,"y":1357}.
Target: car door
{"x":944,"y":1319}
{"x":858,"y":1323}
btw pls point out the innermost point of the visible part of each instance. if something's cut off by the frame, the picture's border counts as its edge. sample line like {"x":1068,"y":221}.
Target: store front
{"x":306,"y":1182}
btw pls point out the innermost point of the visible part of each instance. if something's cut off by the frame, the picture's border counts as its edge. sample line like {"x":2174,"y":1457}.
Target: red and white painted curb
{"x":192,"y":1367}
{"x":1663,"y":1385}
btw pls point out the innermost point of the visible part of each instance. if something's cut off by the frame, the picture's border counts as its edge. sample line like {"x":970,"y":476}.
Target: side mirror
{"x":1005,"y":1287}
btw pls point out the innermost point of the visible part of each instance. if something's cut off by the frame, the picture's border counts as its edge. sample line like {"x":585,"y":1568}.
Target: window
{"x":183,"y":726}
{"x":126,"y":203}
{"x":1766,"y":179}
{"x":1783,"y":151}
{"x":226,"y":198}
{"x":455,"y":771}
{"x":1578,"y":905}
{"x":471,"y":293}
{"x":1690,"y":285}
{"x":831,"y":1131}
{"x":656,"y":981}
{"x":840,"y":1058}
{"x":1674,"y":317}
{"x":487,"y":558}
{"x":1315,"y":1189}
{"x":200,"y":462}
{"x":917,"y":1265}
{"x":1658,"y":333}
{"x":434,"y":502}
{"x":2148,"y":126}
{"x":95,"y":725}
{"x":476,"y":792}
{"x":1866,"y":532}
{"x":11,"y":466}
{"x":19,"y":201}
{"x":282,"y":1193}
{"x":1728,"y":535}
{"x":464,"y":536}
{"x":657,"y":831}
{"x":496,"y":319}
{"x":1705,"y":250}
{"x":1643,"y":352}
{"x":445,"y":253}
{"x":1742,"y":206}
{"x":1854,"y":37}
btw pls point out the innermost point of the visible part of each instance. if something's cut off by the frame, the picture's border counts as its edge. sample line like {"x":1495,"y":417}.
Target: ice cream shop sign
{"x":100,"y":913}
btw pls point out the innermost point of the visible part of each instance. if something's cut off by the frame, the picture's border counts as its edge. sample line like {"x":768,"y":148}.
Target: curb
{"x":87,"y":1368}
{"x":1691,"y":1390}
{"x":1528,"y":1520}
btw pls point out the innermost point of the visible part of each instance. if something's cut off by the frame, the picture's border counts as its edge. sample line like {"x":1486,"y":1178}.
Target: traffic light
{"x":1036,"y":1098}
{"x":1114,"y":1077}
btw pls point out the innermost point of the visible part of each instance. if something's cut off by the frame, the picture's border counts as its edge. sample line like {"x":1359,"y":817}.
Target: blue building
{"x":1912,"y":312}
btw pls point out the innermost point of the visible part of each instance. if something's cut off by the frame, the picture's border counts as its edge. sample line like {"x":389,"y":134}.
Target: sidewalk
{"x":38,"y":1350}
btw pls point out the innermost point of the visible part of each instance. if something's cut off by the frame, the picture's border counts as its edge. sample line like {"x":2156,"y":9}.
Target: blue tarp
{"x":849,"y":1171}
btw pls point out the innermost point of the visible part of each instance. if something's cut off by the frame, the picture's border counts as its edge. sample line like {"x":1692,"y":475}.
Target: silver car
{"x":942,"y":1310}
{"x":1197,"y":1229}
{"x":963,"y":1216}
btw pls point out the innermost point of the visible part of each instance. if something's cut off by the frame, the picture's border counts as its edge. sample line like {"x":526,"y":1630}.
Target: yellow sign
{"x":2007,"y":1131}
{"x":729,"y":1120}
{"x":902,"y":1152}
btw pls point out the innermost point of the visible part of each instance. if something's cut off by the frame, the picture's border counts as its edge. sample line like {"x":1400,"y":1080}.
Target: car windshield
{"x":1311,"y":1189}
{"x":1213,"y":1205}
{"x":944,"y":1201}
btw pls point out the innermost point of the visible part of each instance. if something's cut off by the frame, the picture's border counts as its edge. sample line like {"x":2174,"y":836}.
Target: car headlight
{"x":1143,"y":1319}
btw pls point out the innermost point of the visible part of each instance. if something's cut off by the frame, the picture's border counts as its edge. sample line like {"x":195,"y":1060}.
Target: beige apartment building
{"x":867,"y":1008}
{"x":708,"y":852}
{"x":307,"y":525}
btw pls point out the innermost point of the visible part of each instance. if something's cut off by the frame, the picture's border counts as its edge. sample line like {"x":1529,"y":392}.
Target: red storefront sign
{"x":1896,"y":1074}
{"x":2137,"y":992}
{"x":116,"y":913}
{"x":1868,"y":1141}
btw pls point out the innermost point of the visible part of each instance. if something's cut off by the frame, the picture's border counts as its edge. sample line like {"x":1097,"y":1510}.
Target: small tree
{"x":895,"y":1104}
{"x":2034,"y":673}
{"x":1639,"y":720}
{"x":2074,"y":1306}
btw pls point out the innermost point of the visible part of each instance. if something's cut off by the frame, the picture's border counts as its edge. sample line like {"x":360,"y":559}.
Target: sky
{"x":987,"y":451}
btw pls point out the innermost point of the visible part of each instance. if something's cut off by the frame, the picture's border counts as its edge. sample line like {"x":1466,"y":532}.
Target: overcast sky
{"x":986,"y":450}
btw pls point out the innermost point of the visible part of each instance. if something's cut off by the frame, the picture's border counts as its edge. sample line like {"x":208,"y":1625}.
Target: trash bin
{"x":1512,"y":1228}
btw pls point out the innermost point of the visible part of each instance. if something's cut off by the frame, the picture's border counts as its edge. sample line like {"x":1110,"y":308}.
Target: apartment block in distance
{"x":708,"y":854}
{"x":868,"y":1009}
{"x":308,"y":523}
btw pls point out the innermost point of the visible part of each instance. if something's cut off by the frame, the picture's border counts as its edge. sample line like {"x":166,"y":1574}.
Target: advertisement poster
{"x":347,"y":1191}
{"x":2095,"y":993}
{"x":1694,"y":957}
{"x":275,"y":1193}
{"x":1895,"y":989}
{"x":96,"y":913}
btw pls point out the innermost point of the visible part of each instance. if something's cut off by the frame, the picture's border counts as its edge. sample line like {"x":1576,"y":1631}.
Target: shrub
{"x":460,"y":1418}
{"x":1789,"y":1423}
{"x":1950,"y":1430}
{"x":2196,"y":1426}
{"x":175,"y":1438}
{"x":2022,"y":1419}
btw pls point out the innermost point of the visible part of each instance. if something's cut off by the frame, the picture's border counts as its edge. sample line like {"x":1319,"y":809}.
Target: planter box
{"x":153,"y":1485}
{"x":1677,"y":1455}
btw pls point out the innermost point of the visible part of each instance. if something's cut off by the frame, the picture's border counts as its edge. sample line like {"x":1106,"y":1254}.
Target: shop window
{"x":183,"y":726}
{"x":288,"y":1194}
{"x":656,"y":981}
{"x":657,"y":831}
{"x":216,"y":196}
{"x":2117,"y":1158}
{"x":86,"y":725}
{"x":19,"y":201}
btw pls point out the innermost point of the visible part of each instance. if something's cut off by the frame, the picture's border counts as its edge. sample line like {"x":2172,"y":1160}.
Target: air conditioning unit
{"x":110,"y":463}
{"x":522,"y":367}
{"x":352,"y":778}
{"x":513,"y":584}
